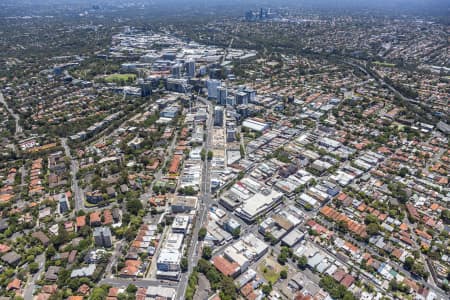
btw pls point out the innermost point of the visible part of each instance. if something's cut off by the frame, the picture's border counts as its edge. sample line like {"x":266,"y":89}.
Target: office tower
{"x":241,"y":98}
{"x":212,"y":86}
{"x":222,"y":95}
{"x":176,"y":71}
{"x":218,"y":116}
{"x":190,"y":68}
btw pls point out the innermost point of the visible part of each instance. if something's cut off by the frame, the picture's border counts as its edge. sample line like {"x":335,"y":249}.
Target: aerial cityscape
{"x":220,"y":150}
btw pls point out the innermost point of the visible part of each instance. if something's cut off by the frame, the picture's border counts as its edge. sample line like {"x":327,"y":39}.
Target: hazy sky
{"x":392,"y":6}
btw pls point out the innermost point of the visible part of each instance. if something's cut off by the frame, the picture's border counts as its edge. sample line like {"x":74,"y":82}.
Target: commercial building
{"x":231,"y":134}
{"x":161,"y":293}
{"x":222,"y":95}
{"x":169,"y":112}
{"x":255,"y":125}
{"x":212,"y":86}
{"x":258,"y":204}
{"x":180,"y":224}
{"x":241,"y":98}
{"x":190,"y":68}
{"x":182,"y":204}
{"x":218,"y":116}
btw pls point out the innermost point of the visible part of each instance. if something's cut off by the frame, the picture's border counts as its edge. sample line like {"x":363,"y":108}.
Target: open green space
{"x":270,"y":270}
{"x":120,"y":77}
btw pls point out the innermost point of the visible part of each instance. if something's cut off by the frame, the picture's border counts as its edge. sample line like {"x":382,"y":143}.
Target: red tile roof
{"x":224,"y":266}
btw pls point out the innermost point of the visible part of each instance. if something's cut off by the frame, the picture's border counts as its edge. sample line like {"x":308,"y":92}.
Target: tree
{"x":282,"y":258}
{"x":403,"y":172}
{"x":266,"y":289}
{"x":202,"y":234}
{"x":409,"y":262}
{"x":210,"y":155}
{"x":184,"y":264}
{"x":236,"y":232}
{"x":302,"y":262}
{"x":207,"y":252}
{"x":371,"y":219}
{"x":203,"y":154}
{"x":283,"y":274}
{"x":228,"y":289}
{"x":203,"y":265}
{"x":33,"y":267}
{"x":131,"y":289}
{"x":372,"y":229}
{"x":133,"y":206}
{"x":445,"y":216}
{"x":98,"y":294}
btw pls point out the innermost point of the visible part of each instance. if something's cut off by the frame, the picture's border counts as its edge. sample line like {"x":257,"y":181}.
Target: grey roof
{"x":11,"y":258}
{"x":84,"y":272}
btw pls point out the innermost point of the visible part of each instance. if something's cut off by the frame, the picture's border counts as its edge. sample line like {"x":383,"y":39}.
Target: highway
{"x":380,"y":80}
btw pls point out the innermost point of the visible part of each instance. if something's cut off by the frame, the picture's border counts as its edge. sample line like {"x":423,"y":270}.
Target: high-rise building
{"x":250,"y":16}
{"x":176,"y":71}
{"x":212,"y":86}
{"x":218,"y":116}
{"x":146,"y":89}
{"x":102,"y":237}
{"x":241,"y":98}
{"x":231,"y":101}
{"x":222,"y":95}
{"x":251,"y":93}
{"x":231,"y":134}
{"x":190,"y":68}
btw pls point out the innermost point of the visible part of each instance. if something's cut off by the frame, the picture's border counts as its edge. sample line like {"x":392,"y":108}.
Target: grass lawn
{"x":270,"y":270}
{"x":119,"y":77}
{"x":89,"y":205}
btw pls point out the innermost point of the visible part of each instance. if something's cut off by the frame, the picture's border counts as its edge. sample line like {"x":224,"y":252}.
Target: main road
{"x":78,"y":193}
{"x":205,"y":203}
{"x":31,"y":284}
{"x":13,"y":114}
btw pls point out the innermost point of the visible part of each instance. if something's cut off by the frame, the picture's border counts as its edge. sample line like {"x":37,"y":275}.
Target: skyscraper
{"x":176,"y":71}
{"x":212,"y":86}
{"x":218,"y":116}
{"x":190,"y":68}
{"x":222,"y":95}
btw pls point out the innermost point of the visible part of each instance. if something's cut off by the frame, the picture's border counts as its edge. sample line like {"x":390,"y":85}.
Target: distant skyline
{"x":234,"y":7}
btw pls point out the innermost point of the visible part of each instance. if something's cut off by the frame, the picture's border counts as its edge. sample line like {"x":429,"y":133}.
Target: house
{"x":72,"y":256}
{"x":41,"y":237}
{"x":81,"y":222}
{"x":116,"y":214}
{"x":111,"y":192}
{"x":75,"y":298}
{"x":131,"y":268}
{"x":11,"y":258}
{"x":95,"y":219}
{"x":83,"y":272}
{"x":83,"y":289}
{"x":107,"y":217}
{"x":52,"y":273}
{"x":14,"y":285}
{"x":4,"y":248}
